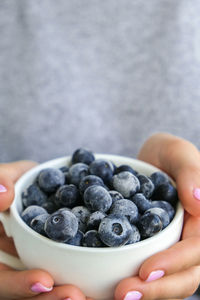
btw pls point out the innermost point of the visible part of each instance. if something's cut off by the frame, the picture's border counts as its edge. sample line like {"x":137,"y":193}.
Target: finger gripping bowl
{"x":96,"y":271}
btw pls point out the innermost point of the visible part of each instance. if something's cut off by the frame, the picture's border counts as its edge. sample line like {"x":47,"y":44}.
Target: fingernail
{"x":134,"y":295}
{"x":196,"y":193}
{"x":67,"y":299}
{"x":3,"y":189}
{"x":39,"y":288}
{"x":155,"y":275}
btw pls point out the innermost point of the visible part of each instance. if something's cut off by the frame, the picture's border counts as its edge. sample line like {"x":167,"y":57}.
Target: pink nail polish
{"x":155,"y":275}
{"x":39,"y":288}
{"x":196,"y":193}
{"x":133,"y":295}
{"x":3,"y":189}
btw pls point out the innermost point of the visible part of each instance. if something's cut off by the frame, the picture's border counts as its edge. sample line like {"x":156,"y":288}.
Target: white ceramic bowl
{"x":95,"y":270}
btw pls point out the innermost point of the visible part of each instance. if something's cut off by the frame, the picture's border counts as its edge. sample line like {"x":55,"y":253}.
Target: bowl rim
{"x":98,"y":250}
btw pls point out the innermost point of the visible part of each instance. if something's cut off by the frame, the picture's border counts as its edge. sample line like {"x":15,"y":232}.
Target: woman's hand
{"x":173,"y":273}
{"x":35,"y":284}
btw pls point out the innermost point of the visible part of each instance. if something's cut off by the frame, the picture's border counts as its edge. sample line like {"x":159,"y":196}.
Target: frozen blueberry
{"x":82,"y":155}
{"x":63,"y":209}
{"x":97,"y":197}
{"x":159,"y":178}
{"x":95,"y":219}
{"x":149,"y":224}
{"x":67,"y":195}
{"x":37,"y":223}
{"x":123,"y":168}
{"x":142,"y":202}
{"x":166,"y":192}
{"x":115,"y":230}
{"x":126,"y":183}
{"x":103,"y":169}
{"x":64,"y":169}
{"x":146,"y":185}
{"x":126,"y":208}
{"x":88,"y":181}
{"x":61,"y":226}
{"x":77,"y":172}
{"x":163,"y":215}
{"x":77,"y":240}
{"x":31,"y":212}
{"x":82,"y":214}
{"x":50,"y":179}
{"x":165,"y":205}
{"x":92,"y":239}
{"x":34,"y":196}
{"x":135,"y":235}
{"x":50,"y":204}
{"x":115,"y":195}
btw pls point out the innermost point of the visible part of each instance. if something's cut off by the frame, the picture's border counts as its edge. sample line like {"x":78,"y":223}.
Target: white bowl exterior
{"x":95,"y":271}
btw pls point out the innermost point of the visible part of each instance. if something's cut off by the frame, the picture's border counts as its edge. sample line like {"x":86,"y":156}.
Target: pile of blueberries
{"x":94,"y":203}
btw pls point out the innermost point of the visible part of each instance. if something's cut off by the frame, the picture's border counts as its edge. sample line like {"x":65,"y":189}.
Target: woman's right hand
{"x":35,"y":284}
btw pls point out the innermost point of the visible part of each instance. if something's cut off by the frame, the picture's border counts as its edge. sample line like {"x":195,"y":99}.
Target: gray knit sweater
{"x":97,"y":74}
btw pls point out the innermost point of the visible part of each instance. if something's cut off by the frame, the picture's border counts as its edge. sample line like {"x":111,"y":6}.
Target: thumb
{"x":9,"y":174}
{"x":180,"y":159}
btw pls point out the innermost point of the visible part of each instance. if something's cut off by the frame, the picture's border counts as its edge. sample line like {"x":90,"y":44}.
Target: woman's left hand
{"x":173,"y":273}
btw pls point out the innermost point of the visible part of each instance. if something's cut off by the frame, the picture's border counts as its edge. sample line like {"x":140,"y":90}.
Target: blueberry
{"x":31,"y":212}
{"x":82,"y":155}
{"x":61,"y":226}
{"x":142,"y":202}
{"x":159,"y":178}
{"x":166,"y":192}
{"x":82,"y":214}
{"x":115,"y":195}
{"x":92,"y":239}
{"x":146,"y":185}
{"x":50,"y":204}
{"x":103,"y":169}
{"x":67,"y":195}
{"x":163,"y":215}
{"x":126,"y":183}
{"x":135,"y":235}
{"x":77,"y":172}
{"x":123,"y":168}
{"x":115,"y":230}
{"x":64,"y":169}
{"x":63,"y":209}
{"x":37,"y":223}
{"x":88,"y":181}
{"x":165,"y":205}
{"x":50,"y":207}
{"x":97,"y":197}
{"x":149,"y":224}
{"x":34,"y":196}
{"x":126,"y":208}
{"x":76,"y":240}
{"x":50,"y":179}
{"x":95,"y":219}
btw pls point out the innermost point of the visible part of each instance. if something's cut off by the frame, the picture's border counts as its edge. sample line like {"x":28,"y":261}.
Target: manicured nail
{"x":3,"y":189}
{"x":155,"y":275}
{"x":196,"y":193}
{"x":134,"y":295}
{"x":39,"y":288}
